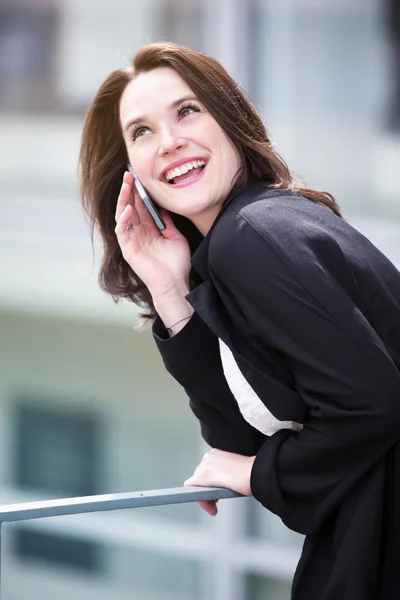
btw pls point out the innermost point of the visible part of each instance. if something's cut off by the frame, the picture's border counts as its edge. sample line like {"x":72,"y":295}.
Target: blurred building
{"x":85,"y":404}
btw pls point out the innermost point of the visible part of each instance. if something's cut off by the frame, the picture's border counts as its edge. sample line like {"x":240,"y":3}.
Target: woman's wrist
{"x":172,"y":329}
{"x":171,"y":296}
{"x":174,"y":311}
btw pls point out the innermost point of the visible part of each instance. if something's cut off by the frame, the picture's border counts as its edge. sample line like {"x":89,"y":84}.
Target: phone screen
{"x":147,"y":200}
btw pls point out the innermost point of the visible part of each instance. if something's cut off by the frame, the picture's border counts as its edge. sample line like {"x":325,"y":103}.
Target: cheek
{"x":210,"y":135}
{"x":220,"y":141}
{"x":231,"y":157}
{"x":160,"y":196}
{"x":140,"y":160}
{"x":233,"y":153}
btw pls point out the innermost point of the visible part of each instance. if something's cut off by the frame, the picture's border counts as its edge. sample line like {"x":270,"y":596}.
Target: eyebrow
{"x":174,"y":104}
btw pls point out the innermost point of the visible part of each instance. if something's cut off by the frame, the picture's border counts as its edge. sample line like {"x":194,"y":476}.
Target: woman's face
{"x":166,"y":128}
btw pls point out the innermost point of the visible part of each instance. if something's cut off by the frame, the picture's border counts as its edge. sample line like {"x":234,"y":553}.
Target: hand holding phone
{"x":160,"y":259}
{"x":147,"y":200}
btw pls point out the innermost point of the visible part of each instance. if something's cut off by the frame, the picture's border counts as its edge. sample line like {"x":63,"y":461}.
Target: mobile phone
{"x":147,"y":200}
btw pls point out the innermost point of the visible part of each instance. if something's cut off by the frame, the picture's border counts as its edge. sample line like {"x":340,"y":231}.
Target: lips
{"x":187,"y":182}
{"x":178,"y":163}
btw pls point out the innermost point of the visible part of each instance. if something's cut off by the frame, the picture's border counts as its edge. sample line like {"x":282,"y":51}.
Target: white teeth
{"x":170,"y":175}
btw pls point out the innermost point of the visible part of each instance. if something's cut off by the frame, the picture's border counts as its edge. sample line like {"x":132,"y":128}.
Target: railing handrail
{"x":103,"y":502}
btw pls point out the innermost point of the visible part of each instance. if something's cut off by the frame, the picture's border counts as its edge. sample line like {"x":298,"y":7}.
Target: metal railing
{"x":87,"y":504}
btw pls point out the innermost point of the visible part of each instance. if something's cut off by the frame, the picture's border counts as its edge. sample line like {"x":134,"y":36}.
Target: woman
{"x":279,"y":319}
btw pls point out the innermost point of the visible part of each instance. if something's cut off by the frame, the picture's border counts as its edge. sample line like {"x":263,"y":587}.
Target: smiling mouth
{"x":185,"y":177}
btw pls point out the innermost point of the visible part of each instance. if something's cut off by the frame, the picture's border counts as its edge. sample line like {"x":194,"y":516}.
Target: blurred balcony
{"x":46,"y":261}
{"x":206,"y":546}
{"x":83,"y":398}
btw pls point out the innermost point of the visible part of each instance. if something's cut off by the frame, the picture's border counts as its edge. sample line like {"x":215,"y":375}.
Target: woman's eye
{"x":183,"y":112}
{"x":139,"y":132}
{"x":187,"y":110}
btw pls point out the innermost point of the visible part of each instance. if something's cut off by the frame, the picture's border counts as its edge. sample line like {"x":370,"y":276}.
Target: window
{"x":259,"y":588}
{"x":56,"y":451}
{"x":53,"y":550}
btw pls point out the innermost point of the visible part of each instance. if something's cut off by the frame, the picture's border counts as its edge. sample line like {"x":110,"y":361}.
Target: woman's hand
{"x":222,"y":469}
{"x":160,"y":258}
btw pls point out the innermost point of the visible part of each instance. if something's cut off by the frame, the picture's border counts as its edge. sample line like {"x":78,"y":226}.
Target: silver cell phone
{"x":147,"y":200}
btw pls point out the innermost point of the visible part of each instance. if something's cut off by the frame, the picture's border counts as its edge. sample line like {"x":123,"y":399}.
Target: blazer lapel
{"x":257,"y":368}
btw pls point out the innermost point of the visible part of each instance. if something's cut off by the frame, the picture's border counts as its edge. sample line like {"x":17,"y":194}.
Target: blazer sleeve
{"x":280,"y":278}
{"x":192,"y":357}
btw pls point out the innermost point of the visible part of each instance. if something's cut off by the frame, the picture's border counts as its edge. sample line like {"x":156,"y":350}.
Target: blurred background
{"x":85,"y":405}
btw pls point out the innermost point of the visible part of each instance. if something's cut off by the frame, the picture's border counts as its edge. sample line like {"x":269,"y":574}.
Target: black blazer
{"x":311,"y":311}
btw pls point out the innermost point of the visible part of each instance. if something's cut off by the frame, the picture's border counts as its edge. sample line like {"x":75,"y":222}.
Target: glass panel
{"x":57,"y":551}
{"x":160,"y":576}
{"x":261,"y":523}
{"x":55,"y":451}
{"x":266,"y":588}
{"x":163,"y":456}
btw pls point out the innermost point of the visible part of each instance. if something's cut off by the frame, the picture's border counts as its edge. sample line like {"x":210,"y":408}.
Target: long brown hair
{"x":103,"y":155}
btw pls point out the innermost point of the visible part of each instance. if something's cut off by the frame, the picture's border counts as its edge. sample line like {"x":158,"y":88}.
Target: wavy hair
{"x":103,"y":156}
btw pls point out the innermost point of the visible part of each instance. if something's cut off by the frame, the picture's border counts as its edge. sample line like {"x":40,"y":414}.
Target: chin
{"x":198,"y":208}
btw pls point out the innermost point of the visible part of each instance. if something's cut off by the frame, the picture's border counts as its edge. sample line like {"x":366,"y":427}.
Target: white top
{"x":252,"y":408}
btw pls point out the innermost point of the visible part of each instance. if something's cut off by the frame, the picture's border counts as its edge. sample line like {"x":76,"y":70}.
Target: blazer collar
{"x":199,"y":259}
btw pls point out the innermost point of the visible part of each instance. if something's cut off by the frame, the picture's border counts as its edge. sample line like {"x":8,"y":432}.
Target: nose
{"x":170,"y":142}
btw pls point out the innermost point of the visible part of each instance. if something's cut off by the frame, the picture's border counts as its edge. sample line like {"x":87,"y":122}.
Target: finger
{"x":121,"y":201}
{"x":192,"y":481}
{"x":209,"y":506}
{"x":128,"y":178}
{"x":125,"y":195}
{"x":125,"y":219}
